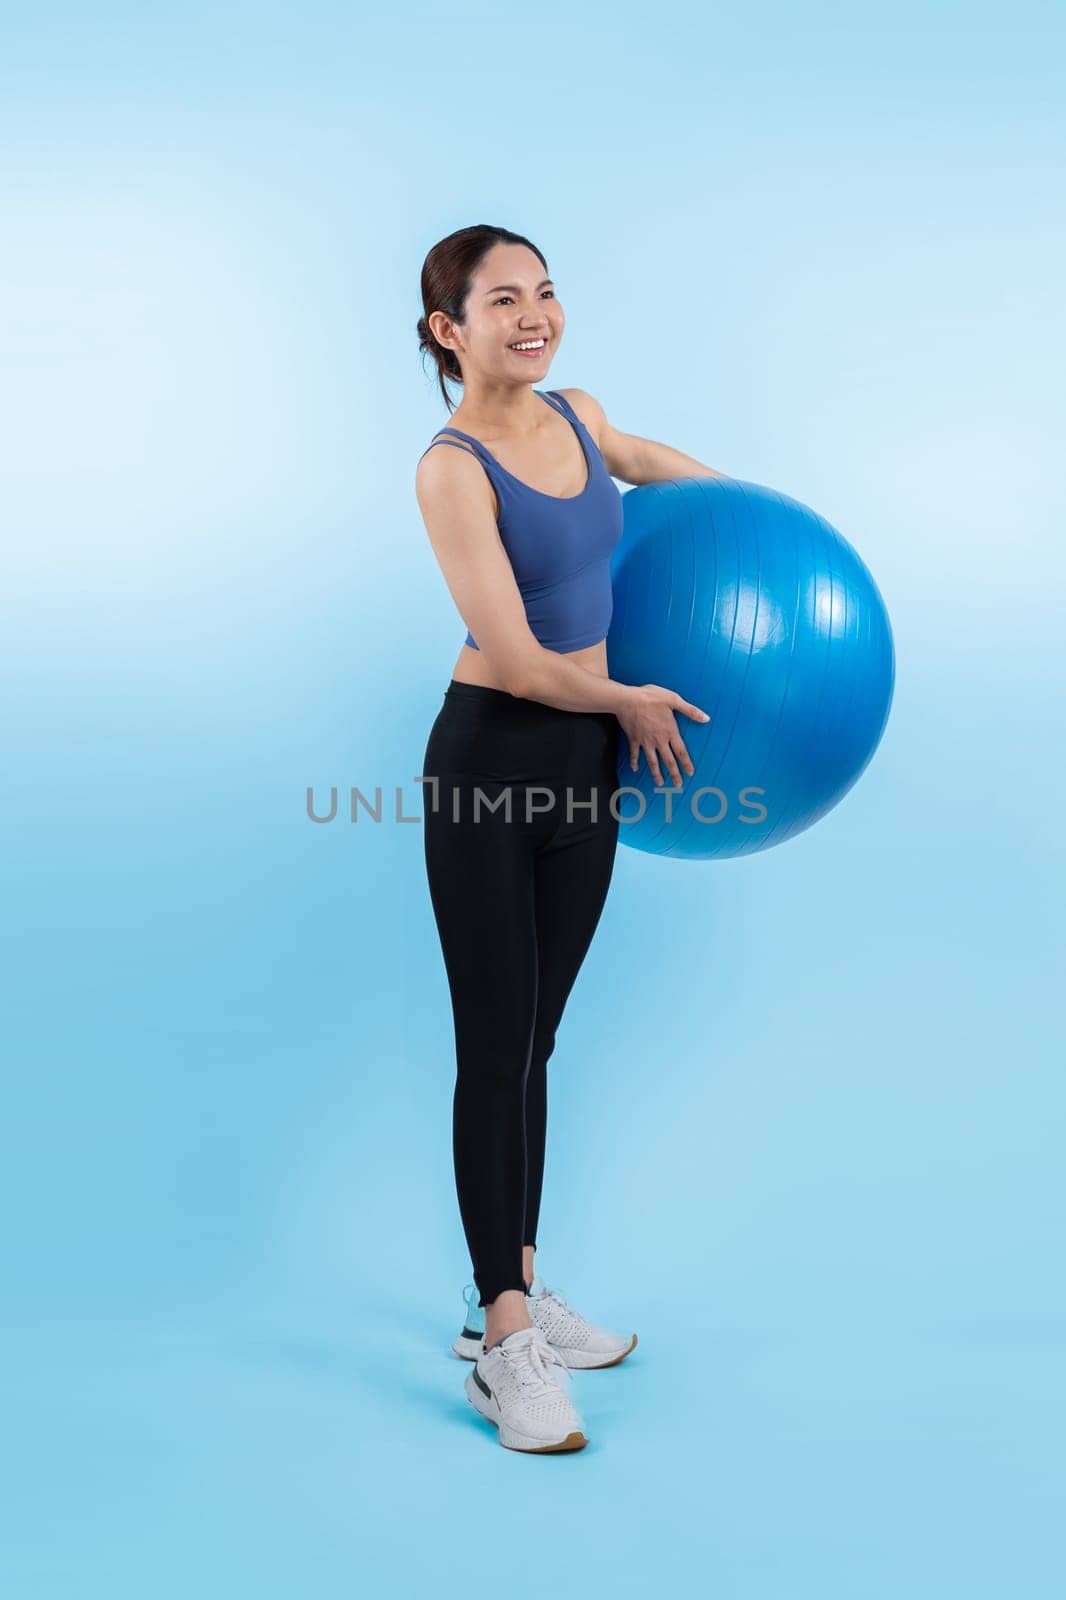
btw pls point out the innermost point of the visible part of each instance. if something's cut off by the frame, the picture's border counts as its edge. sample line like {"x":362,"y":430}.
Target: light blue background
{"x":806,"y":1110}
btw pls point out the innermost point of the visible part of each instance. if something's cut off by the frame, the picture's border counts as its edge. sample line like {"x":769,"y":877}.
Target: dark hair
{"x":446,"y":277}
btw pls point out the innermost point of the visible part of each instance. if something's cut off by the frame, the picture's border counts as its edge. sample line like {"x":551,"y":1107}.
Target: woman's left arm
{"x":628,"y":456}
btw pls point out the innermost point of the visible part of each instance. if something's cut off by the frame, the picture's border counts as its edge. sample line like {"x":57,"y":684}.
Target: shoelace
{"x":528,"y":1362}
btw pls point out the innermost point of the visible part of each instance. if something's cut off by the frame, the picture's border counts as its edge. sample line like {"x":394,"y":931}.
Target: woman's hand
{"x":647,"y":719}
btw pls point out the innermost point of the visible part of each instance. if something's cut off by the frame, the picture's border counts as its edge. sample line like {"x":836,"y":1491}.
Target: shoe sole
{"x":470,"y":1349}
{"x":512,"y":1438}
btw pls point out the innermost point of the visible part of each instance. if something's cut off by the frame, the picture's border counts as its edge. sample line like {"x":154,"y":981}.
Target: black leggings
{"x":516,"y":901}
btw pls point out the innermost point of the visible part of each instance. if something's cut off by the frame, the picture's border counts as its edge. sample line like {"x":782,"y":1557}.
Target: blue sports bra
{"x":559,"y":546}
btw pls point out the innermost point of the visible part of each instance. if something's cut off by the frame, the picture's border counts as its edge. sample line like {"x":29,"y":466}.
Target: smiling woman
{"x":512,"y":568}
{"x":446,"y":275}
{"x":521,"y":828}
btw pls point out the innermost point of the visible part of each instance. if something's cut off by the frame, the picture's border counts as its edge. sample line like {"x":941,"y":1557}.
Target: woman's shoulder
{"x":587,"y":409}
{"x":442,"y":473}
{"x":442,"y":453}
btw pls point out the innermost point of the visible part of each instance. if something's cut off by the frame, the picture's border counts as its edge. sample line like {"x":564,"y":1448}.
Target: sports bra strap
{"x":484,"y":455}
{"x":488,"y":461}
{"x":558,"y":403}
{"x":453,"y":442}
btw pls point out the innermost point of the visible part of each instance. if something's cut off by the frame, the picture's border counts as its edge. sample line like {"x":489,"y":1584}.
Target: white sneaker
{"x":470,"y":1343}
{"x":522,"y":1385}
{"x":580,"y":1343}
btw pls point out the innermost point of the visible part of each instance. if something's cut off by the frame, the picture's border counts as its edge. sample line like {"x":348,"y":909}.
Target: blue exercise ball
{"x":751,"y":606}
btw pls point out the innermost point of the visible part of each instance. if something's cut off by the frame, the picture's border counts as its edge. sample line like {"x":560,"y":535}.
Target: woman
{"x":519,"y":774}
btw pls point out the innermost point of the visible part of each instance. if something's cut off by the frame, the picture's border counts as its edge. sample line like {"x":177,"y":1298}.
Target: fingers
{"x":681,"y":752}
{"x":674,"y":756}
{"x":668,"y":758}
{"x":674,"y":752}
{"x":673,"y":748}
{"x":671,"y":767}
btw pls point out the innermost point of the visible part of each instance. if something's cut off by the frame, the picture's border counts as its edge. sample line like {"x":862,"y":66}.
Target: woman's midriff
{"x":471,"y":666}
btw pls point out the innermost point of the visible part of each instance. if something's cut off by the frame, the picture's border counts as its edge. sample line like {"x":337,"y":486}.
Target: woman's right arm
{"x":458,"y":508}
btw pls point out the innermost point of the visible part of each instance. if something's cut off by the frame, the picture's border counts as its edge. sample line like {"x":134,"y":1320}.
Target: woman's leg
{"x":516,"y":898}
{"x":572,"y":877}
{"x":481,"y":878}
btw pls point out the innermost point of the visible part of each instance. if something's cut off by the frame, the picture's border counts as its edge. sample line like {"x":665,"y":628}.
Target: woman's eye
{"x":504,"y":297}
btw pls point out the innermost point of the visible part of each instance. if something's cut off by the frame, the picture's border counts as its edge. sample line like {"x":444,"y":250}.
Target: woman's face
{"x":511,"y":301}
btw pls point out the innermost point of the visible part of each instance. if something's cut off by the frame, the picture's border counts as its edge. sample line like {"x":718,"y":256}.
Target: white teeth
{"x":530,"y":344}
